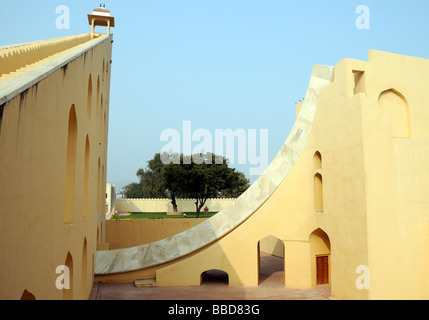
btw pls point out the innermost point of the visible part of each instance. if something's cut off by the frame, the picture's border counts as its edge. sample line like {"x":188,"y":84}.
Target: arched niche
{"x":68,"y":293}
{"x":317,"y":161}
{"x":396,"y":107}
{"x":70,"y":167}
{"x":318,"y":193}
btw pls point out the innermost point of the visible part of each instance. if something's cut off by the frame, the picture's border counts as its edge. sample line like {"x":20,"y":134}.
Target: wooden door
{"x":322,"y":270}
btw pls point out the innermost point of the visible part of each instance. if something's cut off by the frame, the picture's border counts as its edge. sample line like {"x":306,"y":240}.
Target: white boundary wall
{"x":164,"y":205}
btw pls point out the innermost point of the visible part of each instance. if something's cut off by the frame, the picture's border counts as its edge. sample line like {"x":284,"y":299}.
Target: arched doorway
{"x":214,"y":277}
{"x":320,"y":250}
{"x":271,"y":261}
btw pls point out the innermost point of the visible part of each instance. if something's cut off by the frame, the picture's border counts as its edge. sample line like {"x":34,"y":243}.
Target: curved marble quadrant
{"x":167,"y":250}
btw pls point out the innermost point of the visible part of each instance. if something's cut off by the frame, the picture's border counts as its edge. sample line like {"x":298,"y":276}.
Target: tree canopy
{"x":133,"y":191}
{"x":199,"y":180}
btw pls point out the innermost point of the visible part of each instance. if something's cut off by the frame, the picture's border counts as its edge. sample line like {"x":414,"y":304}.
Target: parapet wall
{"x":18,"y":56}
{"x":164,"y":205}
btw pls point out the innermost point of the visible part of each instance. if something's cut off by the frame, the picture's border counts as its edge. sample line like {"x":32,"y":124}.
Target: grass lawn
{"x":162,"y":216}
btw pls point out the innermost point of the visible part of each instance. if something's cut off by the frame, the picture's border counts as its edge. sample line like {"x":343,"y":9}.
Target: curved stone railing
{"x":153,"y":254}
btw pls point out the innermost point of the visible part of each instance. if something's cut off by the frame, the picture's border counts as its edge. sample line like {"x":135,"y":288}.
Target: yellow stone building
{"x":54,"y":111}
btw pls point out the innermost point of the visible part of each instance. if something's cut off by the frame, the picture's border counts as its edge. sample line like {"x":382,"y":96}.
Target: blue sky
{"x":239,"y":64}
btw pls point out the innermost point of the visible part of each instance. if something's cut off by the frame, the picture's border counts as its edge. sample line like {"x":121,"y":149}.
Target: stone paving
{"x":215,"y":287}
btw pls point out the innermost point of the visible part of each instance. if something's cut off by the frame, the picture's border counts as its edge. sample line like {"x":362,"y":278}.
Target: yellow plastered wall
{"x":124,"y":233}
{"x":38,"y":233}
{"x":375,"y":192}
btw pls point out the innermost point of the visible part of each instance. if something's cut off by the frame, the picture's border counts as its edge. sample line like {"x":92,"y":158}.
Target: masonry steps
{"x":145,"y":283}
{"x":20,"y":70}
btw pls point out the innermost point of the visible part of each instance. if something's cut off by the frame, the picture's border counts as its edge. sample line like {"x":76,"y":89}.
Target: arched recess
{"x":70,"y":167}
{"x":271,"y":263}
{"x":395,"y":106}
{"x":102,"y":193}
{"x":101,"y":120}
{"x":107,"y":79}
{"x":98,"y":94}
{"x":102,"y":74}
{"x":320,"y":251}
{"x":98,"y":186}
{"x":101,"y":233}
{"x":214,"y":277}
{"x":84,"y":269}
{"x":26,"y":295}
{"x":98,"y":236}
{"x":103,"y":140}
{"x":318,"y":193}
{"x":317,"y":161}
{"x":68,"y":293}
{"x":89,"y":99}
{"x":86,"y":178}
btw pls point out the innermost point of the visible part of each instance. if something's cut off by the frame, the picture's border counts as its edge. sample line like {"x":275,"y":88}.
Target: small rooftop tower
{"x":101,"y":17}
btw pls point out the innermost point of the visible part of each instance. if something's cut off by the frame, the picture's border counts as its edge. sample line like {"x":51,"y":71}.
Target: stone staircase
{"x":17,"y":60}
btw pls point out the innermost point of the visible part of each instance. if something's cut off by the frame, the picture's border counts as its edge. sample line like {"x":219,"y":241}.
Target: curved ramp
{"x":208,"y":232}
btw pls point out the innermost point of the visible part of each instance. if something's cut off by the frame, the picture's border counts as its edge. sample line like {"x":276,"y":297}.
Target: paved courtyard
{"x":215,"y":287}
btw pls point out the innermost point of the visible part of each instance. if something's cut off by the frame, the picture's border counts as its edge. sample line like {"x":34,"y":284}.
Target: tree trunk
{"x":173,"y":202}
{"x":198,"y":209}
{"x":199,"y":206}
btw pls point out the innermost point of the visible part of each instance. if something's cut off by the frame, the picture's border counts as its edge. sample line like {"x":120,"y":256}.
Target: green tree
{"x":153,"y":182}
{"x":239,"y":184}
{"x":151,"y":179}
{"x":133,"y":191}
{"x":201,"y":180}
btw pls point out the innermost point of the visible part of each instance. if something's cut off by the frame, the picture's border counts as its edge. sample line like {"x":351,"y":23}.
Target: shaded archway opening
{"x":214,"y":277}
{"x":271,"y":261}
